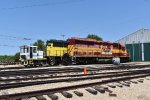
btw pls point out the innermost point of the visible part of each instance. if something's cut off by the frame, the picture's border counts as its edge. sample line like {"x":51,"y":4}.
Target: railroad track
{"x":95,"y":74}
{"x":8,"y":79}
{"x":74,"y":75}
{"x":26,"y":95}
{"x":49,"y":70}
{"x":97,"y":66}
{"x":33,"y":75}
{"x":68,"y":79}
{"x":104,"y":79}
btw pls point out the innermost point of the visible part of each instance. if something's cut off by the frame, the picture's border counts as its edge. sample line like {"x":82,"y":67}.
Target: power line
{"x":13,"y":37}
{"x":8,"y":46}
{"x":44,"y":4}
{"x":21,"y":38}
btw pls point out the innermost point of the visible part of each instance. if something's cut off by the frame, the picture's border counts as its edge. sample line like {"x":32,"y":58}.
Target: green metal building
{"x":138,"y":45}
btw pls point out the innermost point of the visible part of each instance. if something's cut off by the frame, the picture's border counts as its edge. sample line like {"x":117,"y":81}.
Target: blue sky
{"x":49,"y":19}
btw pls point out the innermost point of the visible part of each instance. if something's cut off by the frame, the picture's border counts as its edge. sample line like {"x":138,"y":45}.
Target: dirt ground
{"x":140,"y":91}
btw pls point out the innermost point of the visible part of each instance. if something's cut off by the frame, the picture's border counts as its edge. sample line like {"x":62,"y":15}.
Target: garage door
{"x":146,"y":51}
{"x":135,"y":51}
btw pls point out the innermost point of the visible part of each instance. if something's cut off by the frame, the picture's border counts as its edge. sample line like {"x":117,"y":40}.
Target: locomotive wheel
{"x":51,"y":61}
{"x":85,"y":62}
{"x":66,"y":59}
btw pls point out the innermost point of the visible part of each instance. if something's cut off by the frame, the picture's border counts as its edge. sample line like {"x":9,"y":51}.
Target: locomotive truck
{"x":73,"y":51}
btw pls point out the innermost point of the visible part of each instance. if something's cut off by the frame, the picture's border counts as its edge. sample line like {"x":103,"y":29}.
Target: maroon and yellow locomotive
{"x":83,"y":50}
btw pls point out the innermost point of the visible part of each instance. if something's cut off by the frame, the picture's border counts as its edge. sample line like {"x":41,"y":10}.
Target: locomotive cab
{"x":28,"y":52}
{"x":29,"y":55}
{"x":55,"y":50}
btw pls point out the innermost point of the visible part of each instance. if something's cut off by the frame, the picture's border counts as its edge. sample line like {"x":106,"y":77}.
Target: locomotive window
{"x":21,"y":50}
{"x":50,"y":45}
{"x":57,"y":43}
{"x":34,"y":50}
{"x":25,"y":50}
{"x":60,"y":44}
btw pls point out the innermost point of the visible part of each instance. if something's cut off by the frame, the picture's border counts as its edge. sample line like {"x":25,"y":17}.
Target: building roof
{"x":140,"y":36}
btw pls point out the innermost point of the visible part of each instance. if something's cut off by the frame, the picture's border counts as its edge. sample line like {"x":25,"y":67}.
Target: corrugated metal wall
{"x":146,"y":51}
{"x":137,"y":54}
{"x":135,"y":51}
{"x":130,"y":50}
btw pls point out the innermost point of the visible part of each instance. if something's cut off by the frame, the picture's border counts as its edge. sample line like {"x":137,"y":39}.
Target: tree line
{"x":10,"y":58}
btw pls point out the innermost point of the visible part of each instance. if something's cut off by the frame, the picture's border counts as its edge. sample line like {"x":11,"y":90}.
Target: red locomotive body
{"x":83,"y":50}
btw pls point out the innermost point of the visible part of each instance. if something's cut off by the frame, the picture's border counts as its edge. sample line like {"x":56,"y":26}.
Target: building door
{"x":135,"y":51}
{"x":146,"y":51}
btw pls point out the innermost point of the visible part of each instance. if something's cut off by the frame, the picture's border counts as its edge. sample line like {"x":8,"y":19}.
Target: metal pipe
{"x":133,"y":50}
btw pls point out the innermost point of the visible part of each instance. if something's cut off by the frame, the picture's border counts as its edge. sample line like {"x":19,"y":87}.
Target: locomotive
{"x":73,"y":51}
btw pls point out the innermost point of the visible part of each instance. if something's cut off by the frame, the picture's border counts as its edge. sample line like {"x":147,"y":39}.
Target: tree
{"x":93,"y":36}
{"x":40,"y":44}
{"x":17,"y":57}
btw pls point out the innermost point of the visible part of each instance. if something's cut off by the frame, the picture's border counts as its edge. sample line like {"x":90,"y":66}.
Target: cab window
{"x":34,"y":50}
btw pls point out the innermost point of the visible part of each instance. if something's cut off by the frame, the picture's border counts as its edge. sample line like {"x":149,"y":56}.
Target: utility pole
{"x":63,"y":35}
